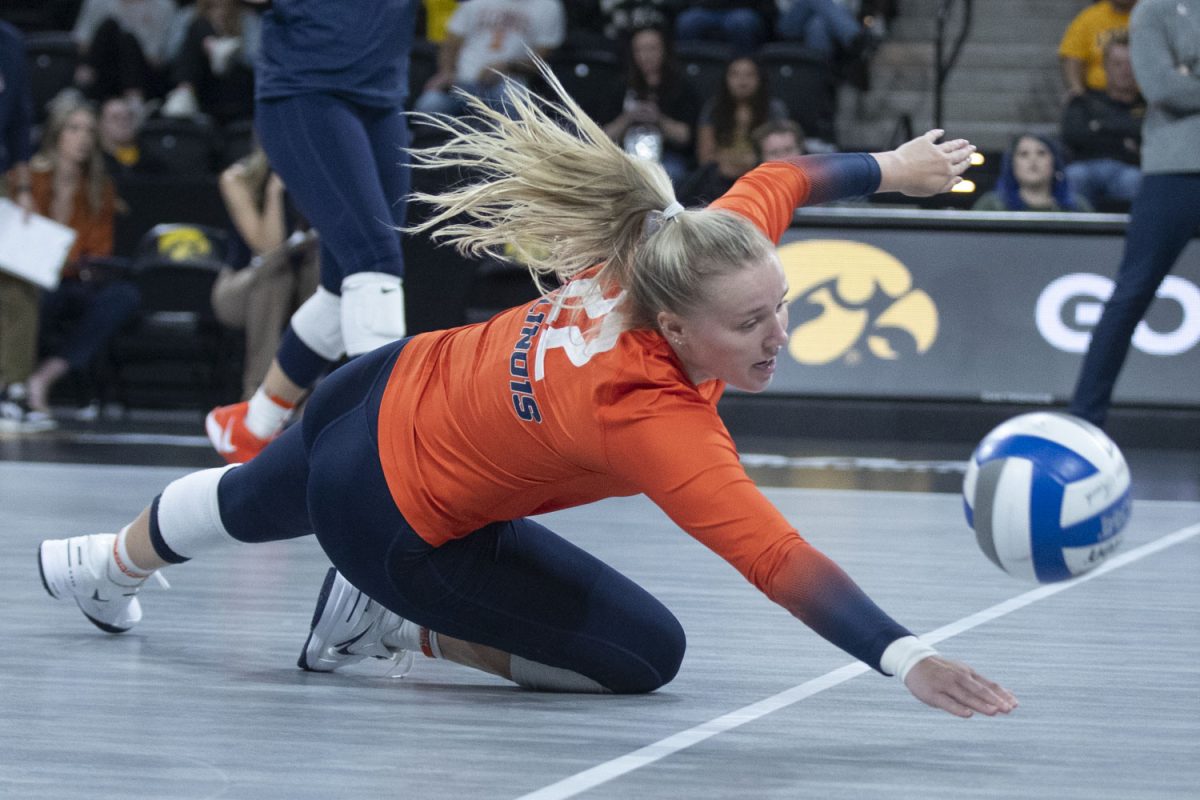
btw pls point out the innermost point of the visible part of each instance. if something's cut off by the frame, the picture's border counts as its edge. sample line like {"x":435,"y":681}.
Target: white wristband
{"x":903,"y":654}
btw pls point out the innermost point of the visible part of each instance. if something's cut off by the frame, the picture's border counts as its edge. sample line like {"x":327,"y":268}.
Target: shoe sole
{"x":104,"y":626}
{"x":320,"y":624}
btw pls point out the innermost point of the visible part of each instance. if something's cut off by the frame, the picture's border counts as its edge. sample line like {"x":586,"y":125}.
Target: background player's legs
{"x":1163,"y":219}
{"x":346,"y":167}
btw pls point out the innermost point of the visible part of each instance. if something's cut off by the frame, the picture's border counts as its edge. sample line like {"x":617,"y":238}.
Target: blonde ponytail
{"x":554,"y":187}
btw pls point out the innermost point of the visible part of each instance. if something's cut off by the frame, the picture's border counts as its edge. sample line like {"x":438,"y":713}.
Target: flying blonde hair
{"x":553,"y":186}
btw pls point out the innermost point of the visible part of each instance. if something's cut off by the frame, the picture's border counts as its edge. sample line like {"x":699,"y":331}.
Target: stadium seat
{"x":154,"y":199}
{"x":704,"y":65}
{"x":185,"y":146}
{"x":593,"y":78}
{"x":804,"y":80}
{"x":52,"y":56}
{"x":237,"y":141}
{"x":177,"y":341}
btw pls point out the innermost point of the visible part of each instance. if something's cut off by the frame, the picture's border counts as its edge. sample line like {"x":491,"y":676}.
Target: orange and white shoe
{"x":233,"y":441}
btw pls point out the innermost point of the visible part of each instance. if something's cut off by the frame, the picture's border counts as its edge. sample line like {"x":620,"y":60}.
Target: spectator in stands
{"x":437,"y":16}
{"x":1081,"y":50}
{"x":619,"y":18}
{"x":486,"y":39}
{"x":827,"y":27}
{"x":1166,"y":213}
{"x":660,"y":105}
{"x":777,"y":140}
{"x":1103,"y":130}
{"x":274,"y":265}
{"x":724,"y":149}
{"x":18,"y":298}
{"x":88,"y":308}
{"x":214,"y":70}
{"x":1032,"y":179}
{"x":124,"y":48}
{"x":744,"y":24}
{"x":118,"y":131}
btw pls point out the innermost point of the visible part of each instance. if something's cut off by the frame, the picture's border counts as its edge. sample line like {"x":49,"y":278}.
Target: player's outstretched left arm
{"x":954,"y":687}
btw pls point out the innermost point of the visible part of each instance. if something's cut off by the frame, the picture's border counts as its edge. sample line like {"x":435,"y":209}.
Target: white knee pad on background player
{"x":372,"y":311}
{"x":318,"y":323}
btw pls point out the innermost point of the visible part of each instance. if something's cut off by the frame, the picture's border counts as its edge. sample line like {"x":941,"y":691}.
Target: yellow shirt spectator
{"x":437,"y":14}
{"x":1085,"y":37}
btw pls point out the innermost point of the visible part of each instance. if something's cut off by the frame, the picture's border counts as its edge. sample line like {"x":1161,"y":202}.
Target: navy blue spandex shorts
{"x":513,"y":585}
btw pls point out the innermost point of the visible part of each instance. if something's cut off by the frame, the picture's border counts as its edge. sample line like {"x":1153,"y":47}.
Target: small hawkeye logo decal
{"x":847,"y":296}
{"x":182,"y":244}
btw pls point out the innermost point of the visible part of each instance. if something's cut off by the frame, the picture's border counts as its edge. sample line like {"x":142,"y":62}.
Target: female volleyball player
{"x":418,"y":464}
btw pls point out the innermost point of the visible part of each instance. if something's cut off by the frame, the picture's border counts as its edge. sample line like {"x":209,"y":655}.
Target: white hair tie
{"x":671,"y":211}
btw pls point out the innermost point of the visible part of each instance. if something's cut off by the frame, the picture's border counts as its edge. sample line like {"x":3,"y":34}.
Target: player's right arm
{"x":690,"y":469}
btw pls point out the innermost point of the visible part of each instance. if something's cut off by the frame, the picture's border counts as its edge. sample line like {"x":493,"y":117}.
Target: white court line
{"x":602,"y":773}
{"x":852,"y":463}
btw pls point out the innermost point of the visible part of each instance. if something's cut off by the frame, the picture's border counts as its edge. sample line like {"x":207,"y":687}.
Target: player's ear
{"x":670,"y":325}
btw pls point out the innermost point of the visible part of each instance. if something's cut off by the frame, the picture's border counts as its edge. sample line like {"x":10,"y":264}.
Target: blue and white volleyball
{"x":1047,"y":495}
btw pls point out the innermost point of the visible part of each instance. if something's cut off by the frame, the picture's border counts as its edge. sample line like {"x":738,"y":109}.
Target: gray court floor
{"x":203,"y":699}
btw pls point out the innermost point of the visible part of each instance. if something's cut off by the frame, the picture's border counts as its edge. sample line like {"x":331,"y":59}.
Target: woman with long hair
{"x":659,"y":103}
{"x":724,"y":147}
{"x":71,"y":185}
{"x":418,"y":465}
{"x":274,"y":266}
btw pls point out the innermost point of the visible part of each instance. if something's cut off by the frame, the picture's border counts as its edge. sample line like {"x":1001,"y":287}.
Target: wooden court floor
{"x":203,"y":699}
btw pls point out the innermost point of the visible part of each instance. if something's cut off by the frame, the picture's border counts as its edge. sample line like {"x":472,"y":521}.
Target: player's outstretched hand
{"x":955,"y":687}
{"x":923,"y":166}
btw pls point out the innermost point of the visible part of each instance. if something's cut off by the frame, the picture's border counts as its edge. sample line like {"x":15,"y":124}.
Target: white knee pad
{"x":189,"y":516}
{"x":318,"y":323}
{"x":372,"y":311}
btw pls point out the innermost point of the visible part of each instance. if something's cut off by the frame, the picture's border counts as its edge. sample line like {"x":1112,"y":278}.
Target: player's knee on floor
{"x":660,"y":663}
{"x":372,"y":311}
{"x":649,"y":663}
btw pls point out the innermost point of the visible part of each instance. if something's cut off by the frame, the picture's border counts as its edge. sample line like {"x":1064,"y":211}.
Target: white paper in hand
{"x":32,"y":250}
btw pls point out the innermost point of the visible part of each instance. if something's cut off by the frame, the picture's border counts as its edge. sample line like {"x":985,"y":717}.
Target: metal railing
{"x":945,"y":59}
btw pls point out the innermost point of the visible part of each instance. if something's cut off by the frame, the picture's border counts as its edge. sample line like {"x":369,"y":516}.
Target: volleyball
{"x":1047,"y":495}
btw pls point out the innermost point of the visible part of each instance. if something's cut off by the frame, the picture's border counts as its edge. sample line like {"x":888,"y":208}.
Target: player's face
{"x":1033,"y":163}
{"x":738,"y":329}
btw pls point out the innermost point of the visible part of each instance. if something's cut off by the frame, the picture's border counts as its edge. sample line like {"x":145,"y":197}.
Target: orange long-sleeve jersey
{"x":523,"y":414}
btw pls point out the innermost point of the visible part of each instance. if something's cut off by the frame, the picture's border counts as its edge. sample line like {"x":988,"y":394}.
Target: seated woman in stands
{"x":274,"y":264}
{"x":724,"y":148}
{"x":660,"y":106}
{"x":71,"y":185}
{"x":1032,"y":178}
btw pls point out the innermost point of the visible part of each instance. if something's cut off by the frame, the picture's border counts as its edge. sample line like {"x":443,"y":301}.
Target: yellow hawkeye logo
{"x":863,"y":294}
{"x":182,"y":244}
